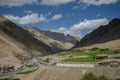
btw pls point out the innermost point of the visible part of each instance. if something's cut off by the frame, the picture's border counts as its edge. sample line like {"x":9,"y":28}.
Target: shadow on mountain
{"x":102,"y":34}
{"x":23,"y":36}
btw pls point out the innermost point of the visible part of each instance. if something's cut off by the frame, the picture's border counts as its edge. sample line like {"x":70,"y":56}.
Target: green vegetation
{"x":117,"y":51}
{"x":90,"y":52}
{"x":90,"y":76}
{"x":117,"y":79}
{"x":46,"y":60}
{"x":102,"y":78}
{"x":27,"y":72}
{"x":89,"y":59}
{"x":92,"y":55}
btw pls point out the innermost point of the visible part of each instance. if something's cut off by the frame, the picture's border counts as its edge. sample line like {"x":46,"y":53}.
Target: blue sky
{"x":75,"y":17}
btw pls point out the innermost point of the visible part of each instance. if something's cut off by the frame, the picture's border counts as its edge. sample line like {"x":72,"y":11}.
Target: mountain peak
{"x":2,"y":19}
{"x":114,"y":21}
{"x":102,"y":34}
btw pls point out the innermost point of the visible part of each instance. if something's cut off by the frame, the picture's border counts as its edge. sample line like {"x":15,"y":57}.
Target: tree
{"x":102,"y":78}
{"x":89,"y":76}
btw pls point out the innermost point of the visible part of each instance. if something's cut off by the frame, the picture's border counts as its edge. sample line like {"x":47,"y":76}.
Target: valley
{"x":32,"y":54}
{"x":59,"y":39}
{"x":74,"y":61}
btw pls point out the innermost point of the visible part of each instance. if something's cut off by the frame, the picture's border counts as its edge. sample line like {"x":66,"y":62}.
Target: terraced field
{"x":90,"y":55}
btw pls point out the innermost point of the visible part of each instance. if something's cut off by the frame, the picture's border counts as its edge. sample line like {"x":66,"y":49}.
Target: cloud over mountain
{"x":31,"y":18}
{"x":84,"y":25}
{"x":28,"y":19}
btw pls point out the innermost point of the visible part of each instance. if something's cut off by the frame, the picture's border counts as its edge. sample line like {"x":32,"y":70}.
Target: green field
{"x":89,"y":52}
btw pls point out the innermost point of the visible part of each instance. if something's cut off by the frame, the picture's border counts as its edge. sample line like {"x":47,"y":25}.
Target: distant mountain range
{"x":60,"y":36}
{"x":107,"y":36}
{"x":57,"y":41}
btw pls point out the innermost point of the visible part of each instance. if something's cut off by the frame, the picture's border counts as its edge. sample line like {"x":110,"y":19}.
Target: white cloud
{"x":98,"y":2}
{"x":62,"y":30}
{"x":57,"y":16}
{"x":31,"y":18}
{"x":28,"y":19}
{"x":87,"y":24}
{"x":11,"y":3}
{"x":76,"y":29}
{"x":55,"y":2}
{"x":83,"y":4}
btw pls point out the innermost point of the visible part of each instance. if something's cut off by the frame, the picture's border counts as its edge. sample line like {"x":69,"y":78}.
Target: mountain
{"x":107,"y":36}
{"x":17,"y":45}
{"x":60,"y":37}
{"x":56,"y":41}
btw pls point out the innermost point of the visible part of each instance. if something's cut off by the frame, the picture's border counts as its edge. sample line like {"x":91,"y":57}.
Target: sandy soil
{"x":62,"y":73}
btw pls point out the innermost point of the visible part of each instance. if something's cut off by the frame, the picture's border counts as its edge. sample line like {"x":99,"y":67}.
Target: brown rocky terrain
{"x":61,"y":37}
{"x":50,"y":41}
{"x":23,"y":36}
{"x":107,"y":36}
{"x":65,"y":73}
{"x":17,"y":45}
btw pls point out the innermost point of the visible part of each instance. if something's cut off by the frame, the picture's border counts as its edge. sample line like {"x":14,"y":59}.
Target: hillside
{"x":17,"y":45}
{"x":107,"y":36}
{"x":60,"y":37}
{"x":56,"y":44}
{"x":23,"y":36}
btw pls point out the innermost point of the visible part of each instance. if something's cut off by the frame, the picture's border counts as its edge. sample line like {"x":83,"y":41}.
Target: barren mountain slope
{"x":17,"y":45}
{"x":9,"y":52}
{"x":107,"y":36}
{"x":55,"y":44}
{"x":114,"y":44}
{"x":24,"y":37}
{"x":60,"y":36}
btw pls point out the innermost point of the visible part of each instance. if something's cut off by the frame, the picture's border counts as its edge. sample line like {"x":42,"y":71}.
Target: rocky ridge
{"x":102,"y":35}
{"x":50,"y":41}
